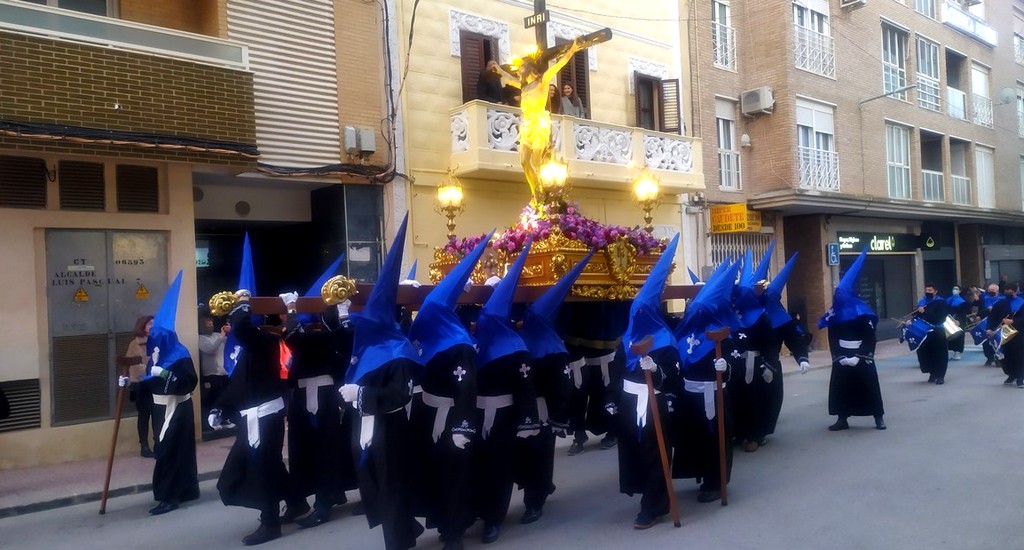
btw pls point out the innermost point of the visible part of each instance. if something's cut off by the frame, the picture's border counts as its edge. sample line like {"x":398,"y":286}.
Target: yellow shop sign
{"x":734,"y":218}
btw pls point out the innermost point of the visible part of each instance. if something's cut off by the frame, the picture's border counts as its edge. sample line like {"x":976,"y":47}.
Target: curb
{"x":21,"y":509}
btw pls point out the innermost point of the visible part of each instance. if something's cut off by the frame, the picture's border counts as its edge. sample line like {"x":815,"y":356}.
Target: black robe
{"x":175,"y":474}
{"x":442,"y":472}
{"x":752,"y":402}
{"x":1013,"y":350}
{"x":640,"y":469}
{"x":254,"y":477}
{"x":854,"y":391}
{"x":495,"y":458}
{"x":553,"y":385}
{"x":695,"y":436}
{"x":319,"y":458}
{"x":798,"y":344}
{"x":933,"y":353}
{"x":592,"y":330}
{"x":383,"y":468}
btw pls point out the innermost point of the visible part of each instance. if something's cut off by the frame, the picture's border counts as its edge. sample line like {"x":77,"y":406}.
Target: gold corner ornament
{"x":621,"y":258}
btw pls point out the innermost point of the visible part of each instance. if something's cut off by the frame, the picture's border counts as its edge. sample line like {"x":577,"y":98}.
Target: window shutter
{"x":23,"y":398}
{"x":81,"y":185}
{"x":22,"y":182}
{"x":671,"y":118}
{"x":138,"y":188}
{"x":637,"y":95}
{"x":471,"y":49}
{"x":581,"y":69}
{"x":81,"y":378}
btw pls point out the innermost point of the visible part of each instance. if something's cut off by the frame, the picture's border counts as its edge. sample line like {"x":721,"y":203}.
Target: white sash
{"x":312,"y":386}
{"x":542,"y":410}
{"x":708,"y":389}
{"x":642,"y":398}
{"x":603,"y":361}
{"x":850,"y":344}
{"x":171,"y":403}
{"x":490,"y":405}
{"x":254,"y":414}
{"x":751,"y":363}
{"x":577,"y":371}
{"x":443,"y":406}
{"x":408,"y":406}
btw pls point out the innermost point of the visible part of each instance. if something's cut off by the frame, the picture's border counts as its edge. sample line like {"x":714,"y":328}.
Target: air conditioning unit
{"x":757,"y":101}
{"x":852,"y":4}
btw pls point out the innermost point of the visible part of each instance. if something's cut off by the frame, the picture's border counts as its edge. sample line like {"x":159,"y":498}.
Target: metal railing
{"x":814,"y":52}
{"x":928,"y":96}
{"x":723,"y":42}
{"x":729,"y":170}
{"x":957,"y":102}
{"x":1018,"y":49}
{"x":933,"y":185}
{"x":961,"y":190}
{"x":982,"y":110}
{"x":819,"y":169}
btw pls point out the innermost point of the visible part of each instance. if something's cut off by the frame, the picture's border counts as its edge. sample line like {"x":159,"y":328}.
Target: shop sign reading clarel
{"x":734,"y":218}
{"x":877,"y":242}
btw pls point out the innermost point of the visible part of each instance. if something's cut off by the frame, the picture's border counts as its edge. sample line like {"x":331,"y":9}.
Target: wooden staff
{"x":123,"y":362}
{"x":718,"y":336}
{"x":641,"y":349}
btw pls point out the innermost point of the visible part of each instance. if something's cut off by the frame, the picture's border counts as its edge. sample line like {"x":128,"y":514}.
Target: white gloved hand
{"x":460,"y":440}
{"x":804,"y":366}
{"x":648,"y":364}
{"x":410,"y":282}
{"x":156,"y":355}
{"x":768,"y":375}
{"x":214,"y":419}
{"x":849,"y":361}
{"x":720,"y":365}
{"x":527,"y":433}
{"x":159,"y":371}
{"x":243,"y":294}
{"x":343,"y":308}
{"x":468,"y":285}
{"x":289,"y":299}
{"x":122,"y":381}
{"x":349,"y":392}
{"x":492,"y":281}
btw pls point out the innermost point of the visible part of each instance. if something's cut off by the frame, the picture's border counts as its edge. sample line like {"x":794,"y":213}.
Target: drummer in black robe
{"x":443,"y":422}
{"x":319,"y":458}
{"x":172,"y":377}
{"x":695,"y":413}
{"x":1008,"y":311}
{"x":853,"y":389}
{"x":959,"y":309}
{"x":553,"y":383}
{"x":985,"y":304}
{"x":378,"y":386}
{"x":640,"y":468}
{"x":506,"y":401}
{"x":933,"y":353}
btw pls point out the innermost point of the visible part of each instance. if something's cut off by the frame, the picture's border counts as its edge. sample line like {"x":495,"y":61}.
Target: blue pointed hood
{"x":314,"y":291}
{"x":437,"y":327}
{"x":246,"y":280}
{"x":645,"y":318}
{"x":846,"y":302}
{"x":247,"y":277}
{"x":494,"y":333}
{"x":749,"y":306}
{"x":777,"y":313}
{"x":693,"y":277}
{"x":761,"y":273}
{"x":412,"y":271}
{"x":709,"y":310}
{"x":378,"y":338}
{"x":538,"y":330}
{"x":163,"y":334}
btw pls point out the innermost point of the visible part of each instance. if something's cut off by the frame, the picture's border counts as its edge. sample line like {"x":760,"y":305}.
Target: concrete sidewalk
{"x":36,"y":489}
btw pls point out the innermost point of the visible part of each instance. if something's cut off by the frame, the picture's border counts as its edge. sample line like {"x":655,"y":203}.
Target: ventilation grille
{"x":22,"y":182}
{"x":23,"y":395}
{"x":81,"y":185}
{"x":138,"y":188}
{"x":82,"y":377}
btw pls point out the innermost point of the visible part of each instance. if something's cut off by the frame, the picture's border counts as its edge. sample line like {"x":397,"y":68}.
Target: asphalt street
{"x":946,"y":474}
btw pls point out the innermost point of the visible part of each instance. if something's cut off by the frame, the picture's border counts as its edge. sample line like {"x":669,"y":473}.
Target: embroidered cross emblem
{"x":353,"y":361}
{"x":693,"y":342}
{"x":566,"y":371}
{"x":234,"y":354}
{"x":742,"y":335}
{"x":830,"y":314}
{"x":459,"y":372}
{"x":525,"y":370}
{"x":736,"y":354}
{"x":465,"y":423}
{"x":419,"y":349}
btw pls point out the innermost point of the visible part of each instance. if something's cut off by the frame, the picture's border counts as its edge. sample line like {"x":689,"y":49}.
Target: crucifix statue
{"x":532,"y":74}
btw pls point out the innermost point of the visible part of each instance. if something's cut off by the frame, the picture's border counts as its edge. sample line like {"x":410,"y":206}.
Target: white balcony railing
{"x":485,"y":136}
{"x":729,"y":170}
{"x":1018,"y":49}
{"x":819,"y":169}
{"x":814,"y":52}
{"x":67,"y":25}
{"x":1020,"y":123}
{"x":962,"y":190}
{"x":982,"y":110}
{"x":723,"y":42}
{"x":957,"y":101}
{"x":928,"y":93}
{"x":933,"y":185}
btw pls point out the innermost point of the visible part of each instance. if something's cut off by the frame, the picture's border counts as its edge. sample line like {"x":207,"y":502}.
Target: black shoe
{"x":705,"y":497}
{"x":531,"y":515}
{"x":262,"y":534}
{"x":940,"y":381}
{"x":292,"y":513}
{"x":879,"y":423}
{"x":645,"y":521}
{"x":1009,"y":380}
{"x":609,"y":442}
{"x":931,"y":379}
{"x":576,"y":447}
{"x":163,"y":508}
{"x":490,"y":534}
{"x":147,"y":452}
{"x":359,"y":509}
{"x":453,"y":545}
{"x":840,"y":424}
{"x":318,"y":517}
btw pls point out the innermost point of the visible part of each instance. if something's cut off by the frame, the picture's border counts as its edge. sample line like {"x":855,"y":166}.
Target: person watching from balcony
{"x":572,"y":105}
{"x":554,"y":100}
{"x":488,"y":87}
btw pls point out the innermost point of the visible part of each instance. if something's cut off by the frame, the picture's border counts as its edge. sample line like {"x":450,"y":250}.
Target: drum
{"x":951,"y":327}
{"x":979,"y":334}
{"x":915,"y":332}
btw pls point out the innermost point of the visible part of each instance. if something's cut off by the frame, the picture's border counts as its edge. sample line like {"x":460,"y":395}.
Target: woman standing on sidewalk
{"x":138,"y":359}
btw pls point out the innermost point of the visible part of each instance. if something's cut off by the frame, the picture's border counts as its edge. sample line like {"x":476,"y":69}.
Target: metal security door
{"x":98,"y":283}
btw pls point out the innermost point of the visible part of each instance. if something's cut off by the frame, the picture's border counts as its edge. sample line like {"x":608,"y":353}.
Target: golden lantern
{"x":647,"y":193}
{"x":450,"y":200}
